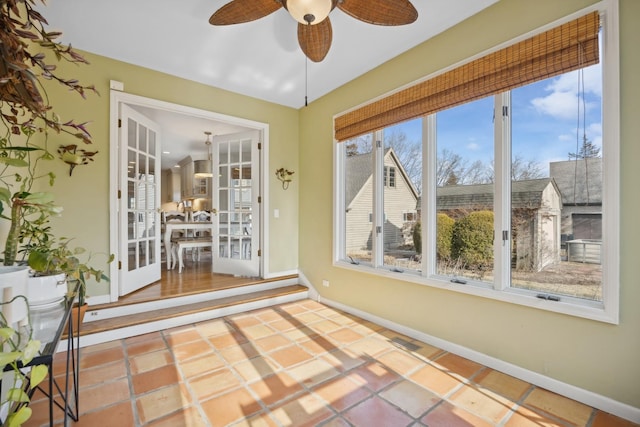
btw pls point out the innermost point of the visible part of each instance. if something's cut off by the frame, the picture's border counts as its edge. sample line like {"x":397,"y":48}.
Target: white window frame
{"x":608,"y":309}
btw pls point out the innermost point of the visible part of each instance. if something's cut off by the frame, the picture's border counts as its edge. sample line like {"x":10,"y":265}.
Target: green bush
{"x":444,"y":235}
{"x":472,"y":242}
{"x":417,"y":237}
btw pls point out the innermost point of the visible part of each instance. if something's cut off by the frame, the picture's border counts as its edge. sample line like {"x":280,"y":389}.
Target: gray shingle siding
{"x":524,"y":194}
{"x":580,"y":181}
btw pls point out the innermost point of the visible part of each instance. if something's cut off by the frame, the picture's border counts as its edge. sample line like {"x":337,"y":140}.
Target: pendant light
{"x":202,"y":168}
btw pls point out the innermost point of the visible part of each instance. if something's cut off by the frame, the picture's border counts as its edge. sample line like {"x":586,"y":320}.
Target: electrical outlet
{"x":325,"y":283}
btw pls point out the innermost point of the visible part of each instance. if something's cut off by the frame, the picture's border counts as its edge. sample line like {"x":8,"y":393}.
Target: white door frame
{"x":116,"y":98}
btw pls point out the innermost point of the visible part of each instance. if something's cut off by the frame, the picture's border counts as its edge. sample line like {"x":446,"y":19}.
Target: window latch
{"x":548,"y":297}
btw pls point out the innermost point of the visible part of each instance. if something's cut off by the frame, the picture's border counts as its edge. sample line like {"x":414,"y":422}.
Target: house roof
{"x":580,"y":181}
{"x":358,"y":168}
{"x":524,"y":194}
{"x":359,"y":171}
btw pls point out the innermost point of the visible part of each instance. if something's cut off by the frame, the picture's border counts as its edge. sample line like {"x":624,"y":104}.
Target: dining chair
{"x":172,"y":216}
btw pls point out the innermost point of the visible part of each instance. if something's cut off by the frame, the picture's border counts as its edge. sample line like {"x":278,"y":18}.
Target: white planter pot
{"x":46,"y":290}
{"x":13,"y":282}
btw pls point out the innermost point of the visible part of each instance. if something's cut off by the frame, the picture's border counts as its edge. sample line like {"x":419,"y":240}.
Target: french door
{"x":236,"y":202}
{"x":138,"y":201}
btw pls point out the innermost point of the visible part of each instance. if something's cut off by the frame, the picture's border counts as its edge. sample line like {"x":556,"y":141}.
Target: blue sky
{"x":545,"y":119}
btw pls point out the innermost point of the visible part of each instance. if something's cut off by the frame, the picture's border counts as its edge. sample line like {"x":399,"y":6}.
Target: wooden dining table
{"x":171,"y":226}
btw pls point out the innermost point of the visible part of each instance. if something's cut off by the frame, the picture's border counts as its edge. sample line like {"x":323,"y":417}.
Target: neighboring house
{"x":536,"y":206}
{"x":580,"y":182}
{"x":400,"y":198}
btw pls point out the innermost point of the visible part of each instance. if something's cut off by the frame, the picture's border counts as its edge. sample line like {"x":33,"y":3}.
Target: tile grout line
{"x":328,"y":344}
{"x":194,"y":400}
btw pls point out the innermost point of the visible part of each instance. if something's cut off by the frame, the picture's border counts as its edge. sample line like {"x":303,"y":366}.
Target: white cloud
{"x":592,"y":81}
{"x":473,"y":146}
{"x":595,"y":128}
{"x":558,"y":104}
{"x":562,"y":101}
{"x":593,"y":132}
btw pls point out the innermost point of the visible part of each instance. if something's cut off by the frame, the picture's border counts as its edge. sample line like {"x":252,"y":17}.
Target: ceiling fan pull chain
{"x":306,"y":66}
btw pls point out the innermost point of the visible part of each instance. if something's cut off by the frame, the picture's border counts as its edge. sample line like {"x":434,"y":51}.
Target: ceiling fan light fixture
{"x":309,"y":11}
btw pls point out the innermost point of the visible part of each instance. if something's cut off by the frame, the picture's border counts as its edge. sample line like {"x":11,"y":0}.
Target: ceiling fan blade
{"x":239,"y":11}
{"x":315,"y":40}
{"x":380,"y":12}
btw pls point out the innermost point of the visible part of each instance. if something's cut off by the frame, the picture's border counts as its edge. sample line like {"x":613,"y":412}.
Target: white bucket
{"x":13,"y":282}
{"x":46,"y":289}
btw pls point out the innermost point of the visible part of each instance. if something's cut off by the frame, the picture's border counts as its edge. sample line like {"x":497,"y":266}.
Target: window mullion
{"x":428,"y":201}
{"x":340,"y":212}
{"x":377,"y":258}
{"x":502,"y":191}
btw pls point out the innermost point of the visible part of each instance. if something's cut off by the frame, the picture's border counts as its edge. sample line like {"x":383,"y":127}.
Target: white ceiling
{"x":261,"y":59}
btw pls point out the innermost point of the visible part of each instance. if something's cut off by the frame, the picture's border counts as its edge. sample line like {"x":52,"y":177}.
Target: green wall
{"x":84,"y":196}
{"x":595,"y":356}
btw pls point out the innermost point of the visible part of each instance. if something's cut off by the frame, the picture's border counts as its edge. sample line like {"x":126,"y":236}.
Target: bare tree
{"x":453,"y":169}
{"x":359,"y":145}
{"x":522,"y":169}
{"x":449,"y":164}
{"x":478,"y":173}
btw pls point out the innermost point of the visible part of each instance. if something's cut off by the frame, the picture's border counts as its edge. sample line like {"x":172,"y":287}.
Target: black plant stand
{"x":64,"y":397}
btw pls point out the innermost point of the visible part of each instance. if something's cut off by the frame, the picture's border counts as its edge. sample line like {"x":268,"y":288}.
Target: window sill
{"x":592,"y":310}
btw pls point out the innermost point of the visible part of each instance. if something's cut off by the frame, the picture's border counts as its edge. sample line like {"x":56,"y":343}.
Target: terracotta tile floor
{"x":302,"y":364}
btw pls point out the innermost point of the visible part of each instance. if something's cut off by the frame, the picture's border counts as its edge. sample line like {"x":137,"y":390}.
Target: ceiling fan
{"x":314,"y":27}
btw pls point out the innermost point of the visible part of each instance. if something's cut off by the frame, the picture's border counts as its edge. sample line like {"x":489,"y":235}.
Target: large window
{"x":514,"y":204}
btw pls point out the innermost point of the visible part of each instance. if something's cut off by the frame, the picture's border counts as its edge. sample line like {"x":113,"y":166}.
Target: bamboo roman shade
{"x":562,"y":49}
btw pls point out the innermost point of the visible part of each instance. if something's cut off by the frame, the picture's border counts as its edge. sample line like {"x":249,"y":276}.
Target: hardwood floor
{"x":195,"y":278}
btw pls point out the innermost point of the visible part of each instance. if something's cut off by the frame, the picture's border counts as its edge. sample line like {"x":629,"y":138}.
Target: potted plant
{"x":26,"y":122}
{"x":51,"y":257}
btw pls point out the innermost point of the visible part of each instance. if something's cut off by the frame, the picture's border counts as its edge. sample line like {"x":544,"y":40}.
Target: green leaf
{"x":30,"y":351}
{"x":39,"y":198}
{"x":17,"y":395}
{"x":38,"y":373}
{"x":6,"y":333}
{"x":5,"y":195}
{"x":9,"y":357}
{"x":20,"y":149}
{"x":20,"y":163}
{"x":38,"y":260}
{"x":19,"y":417}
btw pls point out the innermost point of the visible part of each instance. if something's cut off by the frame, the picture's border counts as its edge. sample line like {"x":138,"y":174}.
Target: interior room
{"x":316,"y":288}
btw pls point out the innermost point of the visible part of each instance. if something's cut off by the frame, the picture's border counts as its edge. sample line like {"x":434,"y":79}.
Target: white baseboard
{"x":313,"y":293}
{"x":587,"y":397}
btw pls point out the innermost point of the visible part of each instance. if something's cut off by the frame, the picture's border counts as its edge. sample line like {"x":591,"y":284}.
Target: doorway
{"x":225,"y":128}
